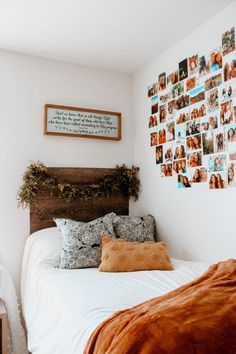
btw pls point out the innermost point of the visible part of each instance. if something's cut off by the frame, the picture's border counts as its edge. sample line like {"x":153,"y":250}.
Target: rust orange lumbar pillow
{"x":119,"y":255}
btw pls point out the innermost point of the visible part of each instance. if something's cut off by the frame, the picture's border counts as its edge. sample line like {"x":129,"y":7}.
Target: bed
{"x":61,"y":307}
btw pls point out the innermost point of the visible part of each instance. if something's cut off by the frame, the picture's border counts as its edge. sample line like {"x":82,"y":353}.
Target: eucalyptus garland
{"x":37,"y":176}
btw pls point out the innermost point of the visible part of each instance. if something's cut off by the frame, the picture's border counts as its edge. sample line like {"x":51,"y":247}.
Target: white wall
{"x":27,"y":83}
{"x":198,"y":223}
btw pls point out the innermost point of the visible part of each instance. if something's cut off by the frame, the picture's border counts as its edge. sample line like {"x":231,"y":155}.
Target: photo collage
{"x":192,"y":120}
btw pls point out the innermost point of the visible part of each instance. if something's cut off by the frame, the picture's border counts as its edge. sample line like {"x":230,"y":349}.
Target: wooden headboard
{"x":49,"y":206}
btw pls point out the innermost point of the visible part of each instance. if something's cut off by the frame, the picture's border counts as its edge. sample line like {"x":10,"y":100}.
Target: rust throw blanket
{"x":199,"y":318}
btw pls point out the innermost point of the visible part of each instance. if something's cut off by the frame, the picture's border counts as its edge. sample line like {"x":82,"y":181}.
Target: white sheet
{"x":63,"y":307}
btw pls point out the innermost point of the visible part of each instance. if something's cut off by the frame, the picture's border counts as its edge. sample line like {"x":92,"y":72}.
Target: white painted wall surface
{"x":199,"y":223}
{"x":27,"y":83}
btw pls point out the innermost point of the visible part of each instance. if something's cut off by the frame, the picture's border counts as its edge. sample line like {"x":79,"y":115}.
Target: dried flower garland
{"x":37,"y":176}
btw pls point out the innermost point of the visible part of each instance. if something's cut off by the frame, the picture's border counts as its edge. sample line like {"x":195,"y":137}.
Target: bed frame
{"x":49,"y":206}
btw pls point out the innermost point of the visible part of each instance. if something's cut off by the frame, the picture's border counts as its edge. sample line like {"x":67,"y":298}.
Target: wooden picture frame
{"x":81,"y":122}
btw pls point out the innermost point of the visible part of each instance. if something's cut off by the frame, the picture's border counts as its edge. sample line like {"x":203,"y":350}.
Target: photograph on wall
{"x":153,"y":89}
{"x":191,"y":83}
{"x":180,"y":132}
{"x":216,"y":59}
{"x":166,"y":170}
{"x":193,"y":127}
{"x":230,"y":132}
{"x":229,"y":70}
{"x":182,"y":116}
{"x":204,"y":65}
{"x":179,"y":150}
{"x":180,"y":166}
{"x":212,"y":100}
{"x":168,"y":152}
{"x":232,"y":151}
{"x":171,"y":105}
{"x":226,"y":113}
{"x":182,"y":101}
{"x":170,"y":130}
{"x":217,"y":163}
{"x":154,"y":103}
{"x":199,"y":175}
{"x":177,"y":90}
{"x":208,"y":143}
{"x":194,"y":159}
{"x":165,"y":98}
{"x":209,"y":122}
{"x":220,"y":144}
{"x":213,"y":82}
{"x":172,"y":78}
{"x":152,"y":121}
{"x":159,"y":154}
{"x":231,"y":174}
{"x":198,"y":110}
{"x":183,"y":69}
{"x":194,"y":142}
{"x":228,"y":41}
{"x":193,"y":64}
{"x":184,"y":180}
{"x":153,"y":139}
{"x":163,"y":113}
{"x":197,"y":95}
{"x":218,"y":180}
{"x":162,"y":134}
{"x":162,"y":81}
{"x":228,"y":90}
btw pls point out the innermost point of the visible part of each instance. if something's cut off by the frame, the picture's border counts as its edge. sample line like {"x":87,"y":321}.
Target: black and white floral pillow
{"x":135,"y":228}
{"x":81,"y":241}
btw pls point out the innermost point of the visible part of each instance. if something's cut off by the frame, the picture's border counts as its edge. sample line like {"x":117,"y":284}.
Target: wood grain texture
{"x":49,"y":206}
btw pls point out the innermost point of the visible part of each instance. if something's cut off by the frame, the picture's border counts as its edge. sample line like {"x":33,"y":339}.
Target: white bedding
{"x":63,"y":307}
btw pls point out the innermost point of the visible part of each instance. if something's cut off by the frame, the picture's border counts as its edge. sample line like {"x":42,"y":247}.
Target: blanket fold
{"x":197,"y":318}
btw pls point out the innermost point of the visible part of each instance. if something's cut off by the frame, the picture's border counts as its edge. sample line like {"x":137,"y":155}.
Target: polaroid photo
{"x":227,"y":91}
{"x":208,"y":143}
{"x":198,"y":175}
{"x":209,"y":122}
{"x":182,"y":115}
{"x":164,"y":97}
{"x":212,"y":100}
{"x":229,"y":69}
{"x":213,"y":81}
{"x":193,"y":64}
{"x":180,"y":132}
{"x":170,"y":131}
{"x":184,"y":180}
{"x":216,"y":59}
{"x":180,"y":166}
{"x":163,"y":113}
{"x":153,"y":89}
{"x":226,"y":113}
{"x":154,"y":103}
{"x":228,"y":41}
{"x":168,"y":152}
{"x":194,"y":159}
{"x":183,"y":69}
{"x":166,"y":170}
{"x":153,"y":139}
{"x":194,"y":142}
{"x":182,"y":102}
{"x":177,"y":90}
{"x":230,"y":133}
{"x":191,"y":83}
{"x":159,"y":154}
{"x":218,"y":180}
{"x":162,"y":81}
{"x":198,"y":110}
{"x":172,"y":78}
{"x":152,"y":121}
{"x":217,"y":163}
{"x":232,"y":151}
{"x":220,"y":144}
{"x":204,"y":65}
{"x":231,"y":174}
{"x":171,"y":107}
{"x":179,"y":150}
{"x":193,"y":127}
{"x":197,"y":95}
{"x":162,"y":134}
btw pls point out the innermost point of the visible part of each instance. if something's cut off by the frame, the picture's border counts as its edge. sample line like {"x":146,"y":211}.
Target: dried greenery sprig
{"x":37,"y":176}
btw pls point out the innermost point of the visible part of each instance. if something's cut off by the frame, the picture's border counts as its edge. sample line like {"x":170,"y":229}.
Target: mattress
{"x":62,"y":307}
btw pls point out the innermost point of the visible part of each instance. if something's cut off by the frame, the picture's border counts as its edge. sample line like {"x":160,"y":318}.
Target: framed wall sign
{"x":81,"y":122}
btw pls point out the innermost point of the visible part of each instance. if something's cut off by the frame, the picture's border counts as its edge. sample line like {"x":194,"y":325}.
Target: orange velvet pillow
{"x":119,"y":255}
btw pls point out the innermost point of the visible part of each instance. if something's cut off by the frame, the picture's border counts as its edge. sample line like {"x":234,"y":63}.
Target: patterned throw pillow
{"x":135,"y":228}
{"x":81,"y":241}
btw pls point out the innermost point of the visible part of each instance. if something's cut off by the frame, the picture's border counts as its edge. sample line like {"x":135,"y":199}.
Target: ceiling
{"x":119,"y":35}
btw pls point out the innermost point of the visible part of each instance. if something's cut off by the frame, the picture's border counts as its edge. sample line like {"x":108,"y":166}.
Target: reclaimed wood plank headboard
{"x":49,"y":206}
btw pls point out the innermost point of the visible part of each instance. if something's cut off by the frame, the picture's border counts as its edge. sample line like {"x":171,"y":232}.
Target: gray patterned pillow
{"x":81,"y":241}
{"x":135,"y":228}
